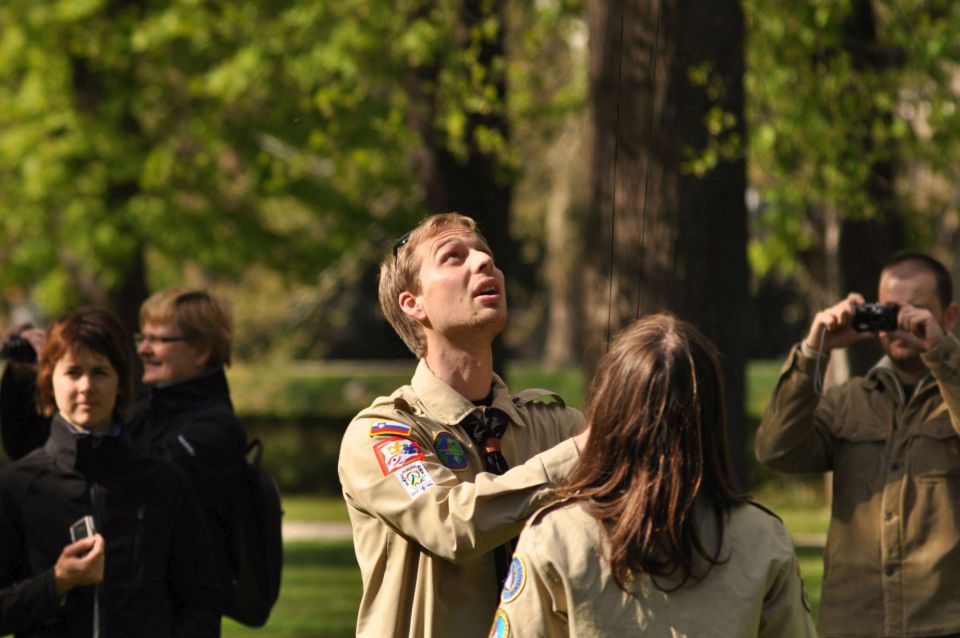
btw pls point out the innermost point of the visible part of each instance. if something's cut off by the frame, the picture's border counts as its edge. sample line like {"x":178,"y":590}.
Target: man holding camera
{"x":892,"y":560}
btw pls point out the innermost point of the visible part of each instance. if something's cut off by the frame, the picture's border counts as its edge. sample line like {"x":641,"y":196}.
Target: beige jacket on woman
{"x":560,"y":584}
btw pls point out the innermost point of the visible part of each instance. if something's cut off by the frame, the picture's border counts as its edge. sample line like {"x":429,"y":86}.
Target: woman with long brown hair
{"x":649,"y":536}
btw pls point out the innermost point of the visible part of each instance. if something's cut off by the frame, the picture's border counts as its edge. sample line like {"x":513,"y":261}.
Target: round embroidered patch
{"x":515,"y":580}
{"x":450,"y":451}
{"x":501,"y":625}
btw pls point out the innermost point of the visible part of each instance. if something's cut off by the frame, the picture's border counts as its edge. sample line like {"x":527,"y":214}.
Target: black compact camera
{"x":18,"y":350}
{"x":875,"y":317}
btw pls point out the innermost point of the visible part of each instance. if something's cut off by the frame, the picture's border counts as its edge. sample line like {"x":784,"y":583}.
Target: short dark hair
{"x":908,"y":264}
{"x":95,"y":329}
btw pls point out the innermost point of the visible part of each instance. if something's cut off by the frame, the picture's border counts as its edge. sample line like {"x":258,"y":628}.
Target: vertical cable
{"x":650,"y":150}
{"x":616,"y":153}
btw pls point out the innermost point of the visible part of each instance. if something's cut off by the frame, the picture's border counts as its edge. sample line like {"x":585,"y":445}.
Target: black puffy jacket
{"x":158,"y":580}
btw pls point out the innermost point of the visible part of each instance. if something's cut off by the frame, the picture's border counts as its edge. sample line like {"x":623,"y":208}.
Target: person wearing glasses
{"x":96,"y":537}
{"x":439,"y":476}
{"x":186,"y":415}
{"x":649,"y":536}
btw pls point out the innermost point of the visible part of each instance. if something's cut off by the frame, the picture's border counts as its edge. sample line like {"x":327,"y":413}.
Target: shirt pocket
{"x":859,"y":455}
{"x":934,"y":451}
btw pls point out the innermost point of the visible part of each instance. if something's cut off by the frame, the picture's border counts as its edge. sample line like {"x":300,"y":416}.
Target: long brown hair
{"x":657,"y":444}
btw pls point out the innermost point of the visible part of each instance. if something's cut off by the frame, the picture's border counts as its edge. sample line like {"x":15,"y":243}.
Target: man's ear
{"x":950,"y":316}
{"x":410,"y":305}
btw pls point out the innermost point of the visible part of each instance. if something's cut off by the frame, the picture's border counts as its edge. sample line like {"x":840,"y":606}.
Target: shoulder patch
{"x":450,"y":451}
{"x":415,"y":479}
{"x":537,"y":395}
{"x":516,"y":579}
{"x":390,"y":427}
{"x":395,"y":453}
{"x":501,"y":625}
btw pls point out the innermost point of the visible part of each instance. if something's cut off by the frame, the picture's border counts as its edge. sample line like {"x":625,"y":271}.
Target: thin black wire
{"x":650,"y":150}
{"x":616,"y":152}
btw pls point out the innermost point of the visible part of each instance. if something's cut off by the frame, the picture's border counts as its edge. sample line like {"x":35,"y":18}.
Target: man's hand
{"x":836,"y":319}
{"x":919,"y":328}
{"x":36,"y":337}
{"x":80,"y":563}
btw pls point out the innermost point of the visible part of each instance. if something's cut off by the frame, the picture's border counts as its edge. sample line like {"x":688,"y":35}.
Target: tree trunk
{"x":476,"y":183}
{"x":669,"y":228}
{"x":867,"y":243}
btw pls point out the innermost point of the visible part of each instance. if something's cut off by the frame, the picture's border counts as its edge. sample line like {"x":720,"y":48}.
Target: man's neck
{"x":469,"y":370}
{"x":911,"y":377}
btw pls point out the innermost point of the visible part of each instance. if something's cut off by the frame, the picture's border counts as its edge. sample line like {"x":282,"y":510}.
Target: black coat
{"x":158,"y":580}
{"x":192,"y":423}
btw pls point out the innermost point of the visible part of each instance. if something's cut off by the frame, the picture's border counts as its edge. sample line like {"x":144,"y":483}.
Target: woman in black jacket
{"x":146,"y":569}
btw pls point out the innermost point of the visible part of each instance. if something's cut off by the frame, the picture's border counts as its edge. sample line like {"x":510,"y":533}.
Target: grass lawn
{"x":319,"y":594}
{"x":321,"y":582}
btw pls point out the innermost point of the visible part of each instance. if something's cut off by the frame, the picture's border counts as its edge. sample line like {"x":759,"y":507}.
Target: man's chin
{"x":910,"y":363}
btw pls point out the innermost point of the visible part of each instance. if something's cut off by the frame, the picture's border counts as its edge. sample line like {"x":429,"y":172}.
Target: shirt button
{"x":888,"y":516}
{"x":894,"y":467}
{"x":890,"y":569}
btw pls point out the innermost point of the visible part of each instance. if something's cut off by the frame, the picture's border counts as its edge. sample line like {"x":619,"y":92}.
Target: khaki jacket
{"x":425,"y":514}
{"x":892,"y":560}
{"x":560,"y":584}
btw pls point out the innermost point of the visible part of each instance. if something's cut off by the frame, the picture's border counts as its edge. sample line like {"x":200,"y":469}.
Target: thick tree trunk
{"x":476,"y":183}
{"x":866,"y":244}
{"x":660,"y":235}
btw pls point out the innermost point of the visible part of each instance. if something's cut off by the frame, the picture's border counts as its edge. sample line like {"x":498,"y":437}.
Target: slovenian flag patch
{"x":387,"y":427}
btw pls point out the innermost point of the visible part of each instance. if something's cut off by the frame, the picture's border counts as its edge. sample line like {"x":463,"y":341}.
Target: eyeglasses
{"x":151,"y":339}
{"x":400,"y":243}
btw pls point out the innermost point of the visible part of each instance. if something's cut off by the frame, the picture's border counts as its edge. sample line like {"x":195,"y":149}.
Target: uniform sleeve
{"x":533,"y":602}
{"x":23,"y":428}
{"x":191,"y":584}
{"x":26,"y":600}
{"x":786,"y":612}
{"x":423,"y":501}
{"x":944,"y":363}
{"x":794,"y":434}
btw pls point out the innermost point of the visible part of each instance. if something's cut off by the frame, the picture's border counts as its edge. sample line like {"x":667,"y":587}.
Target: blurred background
{"x":741,"y":163}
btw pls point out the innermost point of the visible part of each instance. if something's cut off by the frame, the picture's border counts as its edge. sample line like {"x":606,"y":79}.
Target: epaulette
{"x":765,"y":509}
{"x":555,"y":505}
{"x":537,"y":395}
{"x":400,"y":404}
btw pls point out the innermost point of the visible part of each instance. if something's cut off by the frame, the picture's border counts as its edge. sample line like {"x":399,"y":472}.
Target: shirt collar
{"x":448,"y":406}
{"x":884,"y":372}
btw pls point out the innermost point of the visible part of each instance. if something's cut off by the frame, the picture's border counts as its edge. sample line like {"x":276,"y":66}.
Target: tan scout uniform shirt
{"x":426,"y":516}
{"x":892,"y":561}
{"x":560,"y":584}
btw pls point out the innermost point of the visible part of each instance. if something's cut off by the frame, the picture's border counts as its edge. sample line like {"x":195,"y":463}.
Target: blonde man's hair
{"x":197,"y":315}
{"x":400,"y":271}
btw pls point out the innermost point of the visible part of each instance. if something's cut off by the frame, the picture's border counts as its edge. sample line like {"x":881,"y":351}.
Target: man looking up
{"x":441,"y":475}
{"x":892,"y":560}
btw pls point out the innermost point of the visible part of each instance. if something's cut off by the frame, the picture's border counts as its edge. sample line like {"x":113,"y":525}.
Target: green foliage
{"x":824,"y":108}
